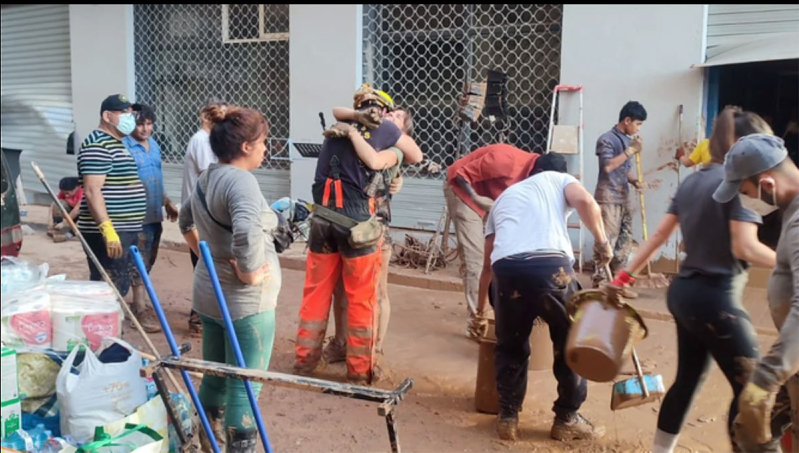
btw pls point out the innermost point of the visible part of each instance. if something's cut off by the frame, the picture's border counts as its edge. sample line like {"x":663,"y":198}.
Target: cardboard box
{"x":11,"y":418}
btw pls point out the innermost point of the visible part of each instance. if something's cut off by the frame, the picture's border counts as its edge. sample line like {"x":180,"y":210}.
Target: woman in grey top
{"x":227,"y":210}
{"x":705,"y":298}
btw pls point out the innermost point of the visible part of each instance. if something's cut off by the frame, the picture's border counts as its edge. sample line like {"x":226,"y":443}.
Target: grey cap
{"x":749,"y":156}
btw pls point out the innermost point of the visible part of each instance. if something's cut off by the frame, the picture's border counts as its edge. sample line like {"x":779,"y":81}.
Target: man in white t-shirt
{"x":529,"y":255}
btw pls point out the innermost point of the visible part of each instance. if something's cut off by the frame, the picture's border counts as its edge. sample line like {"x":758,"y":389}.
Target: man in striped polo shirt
{"x":114,"y":201}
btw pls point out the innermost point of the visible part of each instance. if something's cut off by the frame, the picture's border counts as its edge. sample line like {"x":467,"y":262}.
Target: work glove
{"x":396,"y":185}
{"x":369,"y":117}
{"x":603,"y":253}
{"x":113,"y":245}
{"x":636,"y":145}
{"x":338,"y":130}
{"x":615,"y":289}
{"x":478,"y":326}
{"x":752,"y":426}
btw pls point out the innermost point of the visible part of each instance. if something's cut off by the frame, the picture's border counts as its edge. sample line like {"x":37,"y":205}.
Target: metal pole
{"x":173,"y":346}
{"x":234,"y":341}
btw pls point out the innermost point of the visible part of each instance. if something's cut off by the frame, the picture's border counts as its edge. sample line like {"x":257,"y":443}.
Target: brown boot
{"x":508,"y":426}
{"x":216,"y":418}
{"x":307,"y":370}
{"x":335,"y":351}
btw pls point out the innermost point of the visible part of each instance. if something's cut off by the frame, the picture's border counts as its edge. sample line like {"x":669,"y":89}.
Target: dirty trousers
{"x":331,"y":257}
{"x":526,"y":287}
{"x":618,"y":223}
{"x":256,"y":334}
{"x":383,"y":303}
{"x":471,"y":242}
{"x":711,"y":322}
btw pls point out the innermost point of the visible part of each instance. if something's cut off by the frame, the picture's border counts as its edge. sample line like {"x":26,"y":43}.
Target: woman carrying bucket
{"x":228,"y":210}
{"x":705,"y":297}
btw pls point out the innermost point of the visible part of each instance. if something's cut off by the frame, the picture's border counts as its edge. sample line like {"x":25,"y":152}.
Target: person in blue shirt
{"x":147,"y":154}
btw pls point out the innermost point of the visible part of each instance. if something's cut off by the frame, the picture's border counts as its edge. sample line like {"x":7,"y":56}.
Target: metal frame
{"x":387,"y":399}
{"x":580,"y":155}
{"x":263,"y":36}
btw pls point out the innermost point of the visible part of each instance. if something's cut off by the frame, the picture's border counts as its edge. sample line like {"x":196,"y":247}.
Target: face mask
{"x":127,"y":124}
{"x":757,"y":204}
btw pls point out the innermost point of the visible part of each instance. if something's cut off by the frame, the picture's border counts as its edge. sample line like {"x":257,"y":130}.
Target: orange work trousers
{"x":331,"y":257}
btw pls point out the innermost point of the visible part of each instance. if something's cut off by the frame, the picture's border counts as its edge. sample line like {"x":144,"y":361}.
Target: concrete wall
{"x":101,"y":43}
{"x":642,"y":53}
{"x":326,"y":69}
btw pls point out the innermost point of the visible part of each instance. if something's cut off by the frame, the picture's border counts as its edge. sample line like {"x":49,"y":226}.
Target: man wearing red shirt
{"x":70,"y":195}
{"x":473,"y":183}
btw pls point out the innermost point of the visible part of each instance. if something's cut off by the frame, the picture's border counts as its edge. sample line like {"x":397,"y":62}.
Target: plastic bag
{"x":151,"y":414}
{"x":133,"y":439}
{"x":17,"y":275}
{"x":101,"y":393}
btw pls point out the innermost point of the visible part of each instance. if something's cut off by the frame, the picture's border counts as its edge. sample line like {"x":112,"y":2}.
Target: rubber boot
{"x":242,"y":440}
{"x":216,"y":418}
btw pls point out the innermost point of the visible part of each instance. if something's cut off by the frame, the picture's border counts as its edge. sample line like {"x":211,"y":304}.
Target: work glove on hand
{"x":478,"y":326}
{"x":338,"y":130}
{"x":752,"y":426}
{"x":396,"y":185}
{"x":603,"y":253}
{"x":369,"y":117}
{"x":615,"y":288}
{"x":636,"y":145}
{"x":113,"y":245}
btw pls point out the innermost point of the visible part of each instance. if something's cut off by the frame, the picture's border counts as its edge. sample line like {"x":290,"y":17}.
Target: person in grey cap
{"x":706,"y":297}
{"x":758,"y":168}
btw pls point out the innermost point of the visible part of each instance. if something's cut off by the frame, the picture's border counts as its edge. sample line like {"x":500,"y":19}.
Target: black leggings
{"x":711,"y":322}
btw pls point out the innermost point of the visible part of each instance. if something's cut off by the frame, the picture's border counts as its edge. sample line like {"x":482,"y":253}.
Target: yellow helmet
{"x":366,"y":94}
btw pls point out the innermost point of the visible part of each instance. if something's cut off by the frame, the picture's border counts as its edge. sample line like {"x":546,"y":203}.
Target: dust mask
{"x":757,"y":205}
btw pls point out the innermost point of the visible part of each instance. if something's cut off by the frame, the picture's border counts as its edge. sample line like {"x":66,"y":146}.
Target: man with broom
{"x":615,"y":149}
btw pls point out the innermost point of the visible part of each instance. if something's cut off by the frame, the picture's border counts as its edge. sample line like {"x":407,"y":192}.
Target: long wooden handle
{"x":640,"y":374}
{"x":643,"y":206}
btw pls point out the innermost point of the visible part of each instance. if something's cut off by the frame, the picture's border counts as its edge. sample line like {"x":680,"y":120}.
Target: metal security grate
{"x":187,"y":54}
{"x":423,"y":54}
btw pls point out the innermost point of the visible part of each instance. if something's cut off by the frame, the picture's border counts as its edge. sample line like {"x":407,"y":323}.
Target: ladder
{"x":568,"y":139}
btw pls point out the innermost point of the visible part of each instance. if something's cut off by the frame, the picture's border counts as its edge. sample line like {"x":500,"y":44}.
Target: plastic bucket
{"x":601,"y":335}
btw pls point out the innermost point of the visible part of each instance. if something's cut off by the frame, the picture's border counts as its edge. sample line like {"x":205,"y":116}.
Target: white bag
{"x":102,"y":393}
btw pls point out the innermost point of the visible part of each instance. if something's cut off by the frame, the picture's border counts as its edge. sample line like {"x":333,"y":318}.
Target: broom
{"x":650,"y":280}
{"x":642,"y":389}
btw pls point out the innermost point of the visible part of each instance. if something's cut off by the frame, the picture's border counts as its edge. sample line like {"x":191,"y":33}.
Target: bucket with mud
{"x":603,"y":331}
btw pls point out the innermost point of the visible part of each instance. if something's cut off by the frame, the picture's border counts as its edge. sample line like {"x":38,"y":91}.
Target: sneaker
{"x":335,"y":351}
{"x":508,"y":426}
{"x":147,"y":319}
{"x":576,"y":427}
